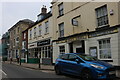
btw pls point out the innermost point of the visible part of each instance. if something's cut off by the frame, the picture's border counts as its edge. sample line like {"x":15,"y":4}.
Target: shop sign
{"x":72,"y":39}
{"x":32,"y":45}
{"x":45,"y":42}
{"x":103,"y":33}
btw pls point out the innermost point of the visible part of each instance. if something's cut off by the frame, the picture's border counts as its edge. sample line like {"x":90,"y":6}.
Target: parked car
{"x":85,"y":66}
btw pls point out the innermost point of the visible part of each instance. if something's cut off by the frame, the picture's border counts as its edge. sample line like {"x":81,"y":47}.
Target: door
{"x":73,"y":66}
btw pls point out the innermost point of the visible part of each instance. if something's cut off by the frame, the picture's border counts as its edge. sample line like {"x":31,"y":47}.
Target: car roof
{"x":74,"y":53}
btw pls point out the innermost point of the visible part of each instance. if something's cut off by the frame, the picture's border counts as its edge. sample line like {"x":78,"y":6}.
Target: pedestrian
{"x":10,"y":60}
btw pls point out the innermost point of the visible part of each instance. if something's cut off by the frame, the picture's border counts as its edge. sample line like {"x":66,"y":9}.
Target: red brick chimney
{"x":44,"y":10}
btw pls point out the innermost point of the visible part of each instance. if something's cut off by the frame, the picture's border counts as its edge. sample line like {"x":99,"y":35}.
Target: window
{"x":60,"y":8}
{"x":102,"y":16}
{"x":72,"y":57}
{"x":62,"y":49}
{"x":34,"y":32}
{"x":30,"y":34}
{"x":18,"y":29}
{"x":104,"y":49}
{"x":64,"y":57}
{"x":46,"y":27}
{"x":61,"y":30}
{"x":24,"y":35}
{"x":40,"y":30}
{"x":46,"y":52}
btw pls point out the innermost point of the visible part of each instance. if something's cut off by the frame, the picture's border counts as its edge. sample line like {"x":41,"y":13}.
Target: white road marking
{"x":3,"y":72}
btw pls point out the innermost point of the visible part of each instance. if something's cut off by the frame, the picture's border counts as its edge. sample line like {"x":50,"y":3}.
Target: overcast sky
{"x":12,"y":12}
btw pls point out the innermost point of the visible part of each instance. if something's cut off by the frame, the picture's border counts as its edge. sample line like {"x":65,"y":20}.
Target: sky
{"x":11,"y":11}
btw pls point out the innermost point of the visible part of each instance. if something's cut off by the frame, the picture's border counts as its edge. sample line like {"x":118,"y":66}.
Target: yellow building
{"x":87,"y":27}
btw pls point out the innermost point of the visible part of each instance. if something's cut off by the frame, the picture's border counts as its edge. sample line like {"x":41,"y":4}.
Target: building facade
{"x":40,"y":38}
{"x":5,"y":45}
{"x":15,"y":47}
{"x":87,"y":27}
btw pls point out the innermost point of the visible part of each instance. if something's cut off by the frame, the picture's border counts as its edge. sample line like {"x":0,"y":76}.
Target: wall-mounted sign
{"x":93,"y":51}
{"x":44,"y":42}
{"x":81,"y":37}
{"x":103,"y":33}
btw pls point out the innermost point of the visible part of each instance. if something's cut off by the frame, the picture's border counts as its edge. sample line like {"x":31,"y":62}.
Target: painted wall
{"x":93,"y":42}
{"x":87,"y":18}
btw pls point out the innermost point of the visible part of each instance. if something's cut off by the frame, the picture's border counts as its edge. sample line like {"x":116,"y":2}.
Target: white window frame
{"x":34,"y":32}
{"x":62,"y":49}
{"x":40,"y":30}
{"x":104,"y":46}
{"x":61,"y":30}
{"x":46,"y":27}
{"x":102,"y":16}
{"x":60,"y":8}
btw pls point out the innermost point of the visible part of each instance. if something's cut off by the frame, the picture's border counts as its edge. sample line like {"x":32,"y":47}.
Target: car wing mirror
{"x":77,"y":60}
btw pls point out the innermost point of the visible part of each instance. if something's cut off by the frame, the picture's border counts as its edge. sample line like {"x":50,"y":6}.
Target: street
{"x":14,"y":71}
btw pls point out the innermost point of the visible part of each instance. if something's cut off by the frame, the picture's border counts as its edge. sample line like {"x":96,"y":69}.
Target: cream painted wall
{"x":87,"y":19}
{"x":43,"y":36}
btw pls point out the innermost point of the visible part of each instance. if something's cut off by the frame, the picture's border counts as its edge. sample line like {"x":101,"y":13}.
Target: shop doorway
{"x":79,"y":50}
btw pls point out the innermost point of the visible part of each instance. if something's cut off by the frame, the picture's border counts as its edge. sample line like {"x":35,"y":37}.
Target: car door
{"x":63,"y":63}
{"x":72,"y":65}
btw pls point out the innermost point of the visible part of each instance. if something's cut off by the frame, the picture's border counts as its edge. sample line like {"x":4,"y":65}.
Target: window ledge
{"x":60,"y":15}
{"x":102,"y":27}
{"x":46,"y":33}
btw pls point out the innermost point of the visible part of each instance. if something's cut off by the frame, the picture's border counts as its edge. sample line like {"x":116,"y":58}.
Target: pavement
{"x":33,"y":66}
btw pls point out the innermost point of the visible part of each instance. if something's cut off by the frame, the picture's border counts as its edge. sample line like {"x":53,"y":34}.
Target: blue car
{"x":85,"y":66}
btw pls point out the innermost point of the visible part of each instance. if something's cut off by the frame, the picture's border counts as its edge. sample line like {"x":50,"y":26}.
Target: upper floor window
{"x":18,"y":29}
{"x":102,"y":16}
{"x":30,"y":34}
{"x":60,"y":8}
{"x":24,"y":35}
{"x":61,"y":30}
{"x":40,"y":30}
{"x":46,"y":27}
{"x":35,"y":32}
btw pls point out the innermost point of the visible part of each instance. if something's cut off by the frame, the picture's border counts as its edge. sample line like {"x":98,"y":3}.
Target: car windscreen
{"x":87,"y":57}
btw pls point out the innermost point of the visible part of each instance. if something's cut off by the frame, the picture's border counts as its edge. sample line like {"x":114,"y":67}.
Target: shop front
{"x":42,"y":51}
{"x":70,"y":44}
{"x":105,"y":45}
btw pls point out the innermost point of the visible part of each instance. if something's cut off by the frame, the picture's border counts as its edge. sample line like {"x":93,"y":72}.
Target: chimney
{"x":44,"y":10}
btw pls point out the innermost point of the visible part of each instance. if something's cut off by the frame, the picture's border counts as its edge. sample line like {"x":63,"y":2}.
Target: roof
{"x":49,"y":14}
{"x":27,"y":21}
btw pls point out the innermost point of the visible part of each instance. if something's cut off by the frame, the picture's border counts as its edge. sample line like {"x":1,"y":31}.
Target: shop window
{"x":62,"y":49}
{"x":46,"y":52}
{"x":60,"y":8}
{"x":102,"y":16}
{"x":104,"y":49}
{"x":61,"y":30}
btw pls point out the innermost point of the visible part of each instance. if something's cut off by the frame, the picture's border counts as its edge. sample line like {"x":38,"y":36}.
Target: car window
{"x":64,"y":56}
{"x":72,"y":57}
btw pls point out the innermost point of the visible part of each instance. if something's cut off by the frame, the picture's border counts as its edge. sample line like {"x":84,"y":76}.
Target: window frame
{"x":40,"y":30}
{"x":46,"y":27}
{"x":105,"y":48}
{"x":101,"y":22}
{"x":61,"y":9}
{"x":62,"y":49}
{"x":61,"y":29}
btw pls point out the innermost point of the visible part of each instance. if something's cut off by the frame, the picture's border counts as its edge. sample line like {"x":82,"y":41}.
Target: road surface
{"x":14,"y":71}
